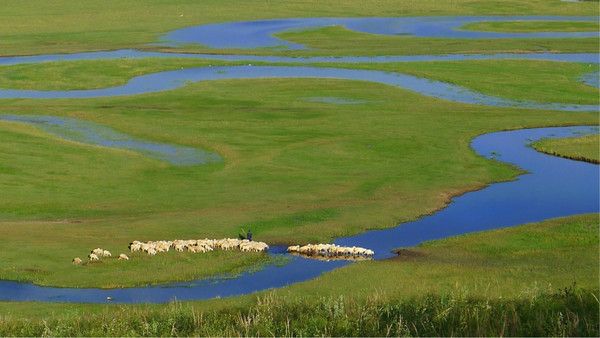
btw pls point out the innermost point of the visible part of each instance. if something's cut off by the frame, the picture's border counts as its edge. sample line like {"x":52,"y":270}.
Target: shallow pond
{"x":91,"y":133}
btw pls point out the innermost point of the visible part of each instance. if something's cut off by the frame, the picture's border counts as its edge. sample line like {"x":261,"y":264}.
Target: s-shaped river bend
{"x":553,"y":186}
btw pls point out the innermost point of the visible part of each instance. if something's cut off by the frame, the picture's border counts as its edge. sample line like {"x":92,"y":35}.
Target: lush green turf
{"x":533,"y":26}
{"x":90,"y":74}
{"x":41,"y":27}
{"x":293,"y":168}
{"x":584,"y":148}
{"x":501,"y":282}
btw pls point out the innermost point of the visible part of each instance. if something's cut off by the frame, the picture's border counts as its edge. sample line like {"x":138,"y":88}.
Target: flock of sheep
{"x":190,"y":245}
{"x":317,"y":251}
{"x":198,"y":245}
{"x":331,"y":251}
{"x":98,"y":253}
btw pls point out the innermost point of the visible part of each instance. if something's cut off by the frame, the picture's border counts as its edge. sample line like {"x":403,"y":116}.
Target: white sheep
{"x":330,"y":250}
{"x":106,"y":253}
{"x":123,"y":257}
{"x":77,"y":261}
{"x":93,"y":257}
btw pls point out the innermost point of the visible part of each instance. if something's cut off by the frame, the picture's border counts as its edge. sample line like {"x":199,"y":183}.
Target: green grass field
{"x":533,"y":26}
{"x":294,"y":169}
{"x":584,"y":148}
{"x":536,"y":279}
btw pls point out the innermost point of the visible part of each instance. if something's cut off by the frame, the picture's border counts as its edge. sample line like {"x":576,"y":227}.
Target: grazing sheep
{"x":106,"y":253}
{"x":329,"y":251}
{"x":93,"y":257}
{"x":97,"y":252}
{"x":293,"y":248}
{"x":198,"y":246}
{"x":135,"y":246}
{"x":123,"y":257}
{"x":77,"y":261}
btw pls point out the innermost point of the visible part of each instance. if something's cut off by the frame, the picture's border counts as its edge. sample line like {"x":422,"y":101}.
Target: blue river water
{"x":260,"y":33}
{"x":91,"y":133}
{"x":162,"y":81}
{"x":552,"y":187}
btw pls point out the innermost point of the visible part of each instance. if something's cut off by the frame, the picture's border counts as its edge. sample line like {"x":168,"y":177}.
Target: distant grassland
{"x":41,"y":27}
{"x":533,"y":26}
{"x":584,"y":148}
{"x":537,"y":279}
{"x":337,"y":40}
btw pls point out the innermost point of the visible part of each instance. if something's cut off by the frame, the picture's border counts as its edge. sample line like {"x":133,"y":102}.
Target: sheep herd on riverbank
{"x":198,"y":246}
{"x":151,"y":248}
{"x":330,"y":251}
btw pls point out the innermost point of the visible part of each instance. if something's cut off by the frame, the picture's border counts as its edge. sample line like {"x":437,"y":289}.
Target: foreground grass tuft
{"x":569,"y":312}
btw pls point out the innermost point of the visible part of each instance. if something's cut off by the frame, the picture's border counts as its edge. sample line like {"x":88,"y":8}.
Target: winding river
{"x":552,"y":187}
{"x":167,"y":80}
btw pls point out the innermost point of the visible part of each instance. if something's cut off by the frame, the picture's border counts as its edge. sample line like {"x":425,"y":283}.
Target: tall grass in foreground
{"x":570,"y":312}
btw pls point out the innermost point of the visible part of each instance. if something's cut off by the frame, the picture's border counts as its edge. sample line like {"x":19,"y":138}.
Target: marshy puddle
{"x":95,"y":134}
{"x":592,"y":79}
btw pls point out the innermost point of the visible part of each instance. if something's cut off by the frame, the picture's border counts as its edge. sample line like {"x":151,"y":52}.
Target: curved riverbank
{"x":582,"y":148}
